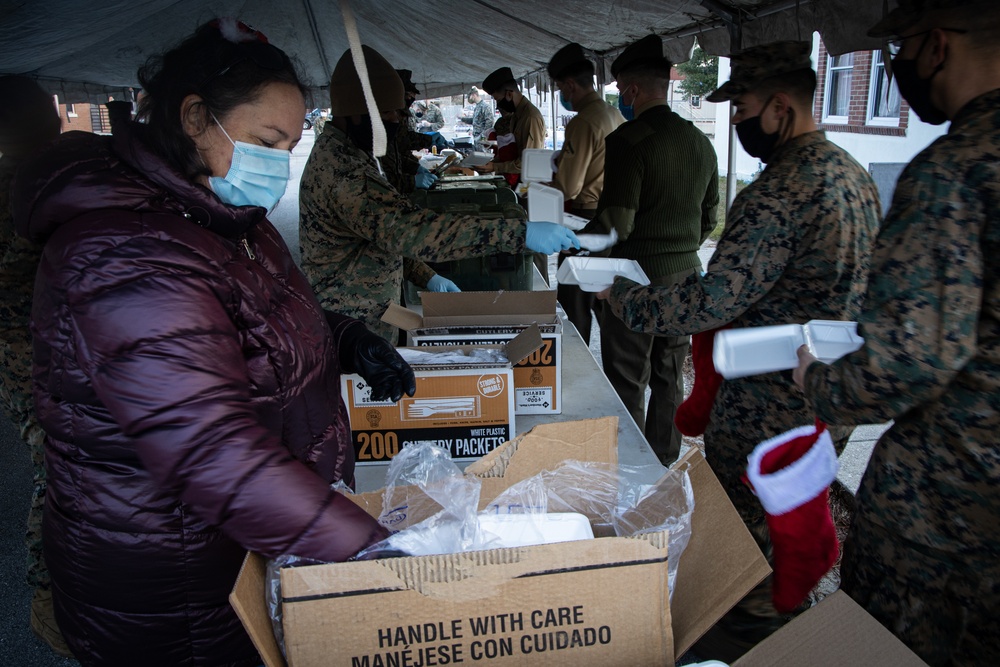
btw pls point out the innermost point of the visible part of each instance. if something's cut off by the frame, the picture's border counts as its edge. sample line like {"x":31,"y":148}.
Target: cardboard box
{"x":476,"y":318}
{"x":594,"y":602}
{"x":467,"y":409}
{"x":836,"y":632}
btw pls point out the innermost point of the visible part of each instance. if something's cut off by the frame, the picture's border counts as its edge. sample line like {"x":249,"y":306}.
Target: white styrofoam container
{"x":537,"y":165}
{"x":545,"y":203}
{"x":525,"y":530}
{"x":594,"y":274}
{"x":752,"y":351}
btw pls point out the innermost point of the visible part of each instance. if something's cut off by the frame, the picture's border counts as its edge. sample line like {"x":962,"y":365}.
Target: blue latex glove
{"x":548,"y":237}
{"x":424,"y":180}
{"x":441,"y":284}
{"x":440,"y":141}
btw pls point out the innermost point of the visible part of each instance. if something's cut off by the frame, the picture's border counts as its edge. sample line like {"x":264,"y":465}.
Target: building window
{"x":70,"y":111}
{"x":883,"y":98}
{"x":840,"y":70}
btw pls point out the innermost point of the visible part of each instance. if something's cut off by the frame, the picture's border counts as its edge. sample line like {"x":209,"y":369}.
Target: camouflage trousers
{"x":942,"y":605}
{"x":17,"y":403}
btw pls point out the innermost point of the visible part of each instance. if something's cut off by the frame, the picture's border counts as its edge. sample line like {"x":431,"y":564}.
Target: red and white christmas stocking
{"x":791,"y":475}
{"x":694,"y":413}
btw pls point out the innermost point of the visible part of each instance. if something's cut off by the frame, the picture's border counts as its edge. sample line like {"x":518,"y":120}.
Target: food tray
{"x":752,"y":351}
{"x":536,"y":165}
{"x":594,"y":274}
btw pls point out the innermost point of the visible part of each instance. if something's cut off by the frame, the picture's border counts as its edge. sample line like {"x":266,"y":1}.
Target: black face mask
{"x":361,"y":134}
{"x":506,"y":105}
{"x":917,"y":91}
{"x":755,"y":140}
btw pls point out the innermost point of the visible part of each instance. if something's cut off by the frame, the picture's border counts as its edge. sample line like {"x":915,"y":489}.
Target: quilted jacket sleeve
{"x":152,"y":331}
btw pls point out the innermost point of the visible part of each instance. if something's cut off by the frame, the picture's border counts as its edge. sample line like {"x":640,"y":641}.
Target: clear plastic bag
{"x":619,"y":500}
{"x":433,"y":507}
{"x":431,"y":504}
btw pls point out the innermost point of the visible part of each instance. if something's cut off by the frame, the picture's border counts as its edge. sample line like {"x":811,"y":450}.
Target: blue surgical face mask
{"x":257,"y":176}
{"x":627,"y":110}
{"x":566,"y":104}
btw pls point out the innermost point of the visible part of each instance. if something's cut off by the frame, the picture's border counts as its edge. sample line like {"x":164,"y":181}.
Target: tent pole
{"x":731,"y":166}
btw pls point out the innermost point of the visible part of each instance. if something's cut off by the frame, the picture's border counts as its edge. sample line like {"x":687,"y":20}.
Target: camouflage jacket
{"x":19,"y":260}
{"x":796,"y":247}
{"x":482,"y":121}
{"x":431,"y":121}
{"x":355,"y":230}
{"x":931,"y":358}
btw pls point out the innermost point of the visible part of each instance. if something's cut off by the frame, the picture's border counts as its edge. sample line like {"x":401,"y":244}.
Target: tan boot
{"x":43,"y":623}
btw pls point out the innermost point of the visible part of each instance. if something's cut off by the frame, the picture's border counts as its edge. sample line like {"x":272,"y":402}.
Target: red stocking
{"x":693,"y":414}
{"x":791,"y":475}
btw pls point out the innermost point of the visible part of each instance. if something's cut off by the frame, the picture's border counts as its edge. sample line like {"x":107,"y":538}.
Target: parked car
{"x":310,"y":119}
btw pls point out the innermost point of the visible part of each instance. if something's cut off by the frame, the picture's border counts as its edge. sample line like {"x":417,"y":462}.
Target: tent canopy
{"x":86,"y":50}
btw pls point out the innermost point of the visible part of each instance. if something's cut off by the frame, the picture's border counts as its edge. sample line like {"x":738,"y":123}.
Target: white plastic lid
{"x":755,"y":350}
{"x":545,"y":203}
{"x":536,"y":165}
{"x":524,"y":530}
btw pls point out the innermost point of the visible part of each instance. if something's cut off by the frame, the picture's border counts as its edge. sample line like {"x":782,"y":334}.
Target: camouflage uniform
{"x":482,"y":121}
{"x":19,"y":260}
{"x":432,"y":120}
{"x":922,"y":554}
{"x":354,"y":229}
{"x":796,"y":247}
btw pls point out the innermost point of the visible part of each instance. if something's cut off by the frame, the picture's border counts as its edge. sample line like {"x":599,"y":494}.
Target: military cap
{"x":911,"y":12}
{"x":762,"y":62}
{"x":496,"y":79}
{"x":647,"y":52}
{"x":407,"y":77}
{"x":568,"y":59}
{"x":346,"y":96}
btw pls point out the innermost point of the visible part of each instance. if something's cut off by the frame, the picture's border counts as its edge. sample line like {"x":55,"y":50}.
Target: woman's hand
{"x":377,"y":361}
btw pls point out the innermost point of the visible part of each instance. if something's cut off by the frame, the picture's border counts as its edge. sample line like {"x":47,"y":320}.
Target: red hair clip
{"x":237,"y":31}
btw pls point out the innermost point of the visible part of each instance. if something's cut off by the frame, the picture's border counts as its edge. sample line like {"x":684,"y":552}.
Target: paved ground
{"x":19,"y":647}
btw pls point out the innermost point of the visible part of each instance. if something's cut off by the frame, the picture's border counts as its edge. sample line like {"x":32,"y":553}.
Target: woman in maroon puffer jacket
{"x":186,"y":377}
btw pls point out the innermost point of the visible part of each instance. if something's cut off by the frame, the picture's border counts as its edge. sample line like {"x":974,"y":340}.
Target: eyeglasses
{"x":894,"y":45}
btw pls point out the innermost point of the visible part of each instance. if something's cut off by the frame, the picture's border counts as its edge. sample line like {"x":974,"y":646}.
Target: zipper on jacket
{"x":246,"y":246}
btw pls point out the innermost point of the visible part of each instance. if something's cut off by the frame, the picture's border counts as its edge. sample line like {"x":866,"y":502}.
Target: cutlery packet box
{"x":466,"y":408}
{"x":755,"y":350}
{"x":495,"y":318}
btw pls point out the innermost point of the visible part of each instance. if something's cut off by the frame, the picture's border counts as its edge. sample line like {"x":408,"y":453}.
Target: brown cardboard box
{"x":836,"y":632}
{"x":475,"y":318}
{"x":594,"y":602}
{"x":467,"y":409}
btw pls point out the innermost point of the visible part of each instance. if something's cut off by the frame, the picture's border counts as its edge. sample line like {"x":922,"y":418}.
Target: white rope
{"x":379,"y":141}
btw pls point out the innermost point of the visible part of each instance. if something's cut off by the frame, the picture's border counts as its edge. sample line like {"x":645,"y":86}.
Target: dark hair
{"x":225,"y":73}
{"x":28,"y":116}
{"x":650,"y":76}
{"x":799,"y":84}
{"x":582,"y":73}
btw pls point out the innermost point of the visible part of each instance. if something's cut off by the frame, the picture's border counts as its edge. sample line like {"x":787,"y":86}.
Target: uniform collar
{"x":984,"y":104}
{"x":797,"y":143}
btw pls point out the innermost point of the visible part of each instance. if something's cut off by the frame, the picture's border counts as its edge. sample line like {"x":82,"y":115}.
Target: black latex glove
{"x":374,"y":359}
{"x":378,"y":554}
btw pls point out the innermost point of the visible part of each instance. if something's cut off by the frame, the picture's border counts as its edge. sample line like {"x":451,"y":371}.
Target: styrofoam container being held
{"x":594,"y":274}
{"x":756,"y":350}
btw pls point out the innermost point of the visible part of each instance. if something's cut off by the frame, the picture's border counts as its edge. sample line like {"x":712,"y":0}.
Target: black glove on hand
{"x":373,"y":358}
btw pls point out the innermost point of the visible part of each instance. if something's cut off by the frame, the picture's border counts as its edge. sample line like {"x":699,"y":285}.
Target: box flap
{"x":523,"y":344}
{"x":817,"y":637}
{"x":401,"y":317}
{"x":722,"y":562}
{"x":544,"y":447}
{"x":247,"y":599}
{"x":441,"y":305}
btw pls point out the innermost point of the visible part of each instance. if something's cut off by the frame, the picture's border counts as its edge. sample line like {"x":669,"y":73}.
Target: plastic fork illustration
{"x":421,"y":408}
